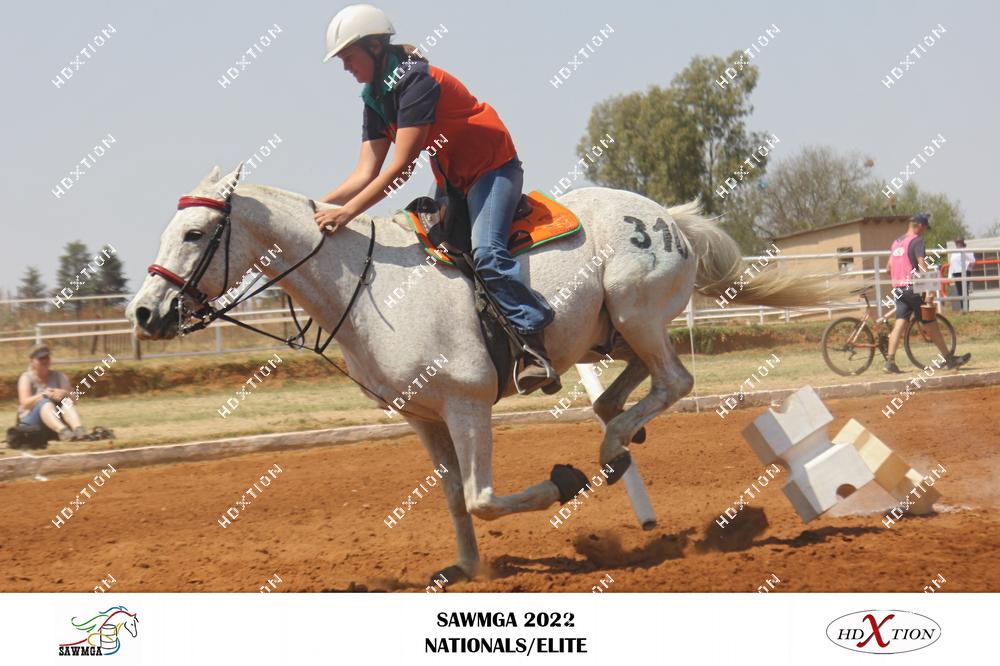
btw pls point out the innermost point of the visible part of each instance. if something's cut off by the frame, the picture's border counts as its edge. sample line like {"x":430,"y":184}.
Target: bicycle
{"x":849,"y":344}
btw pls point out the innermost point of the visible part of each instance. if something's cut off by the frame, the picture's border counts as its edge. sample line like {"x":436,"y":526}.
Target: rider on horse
{"x":478,"y":161}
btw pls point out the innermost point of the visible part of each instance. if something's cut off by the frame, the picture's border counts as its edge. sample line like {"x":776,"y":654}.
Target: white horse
{"x":655,"y":258}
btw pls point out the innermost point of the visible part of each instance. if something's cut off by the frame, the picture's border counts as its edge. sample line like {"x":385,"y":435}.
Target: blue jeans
{"x":492,"y":200}
{"x":34,"y":417}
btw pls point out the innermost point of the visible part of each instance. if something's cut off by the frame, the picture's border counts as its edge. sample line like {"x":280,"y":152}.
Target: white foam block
{"x":891,"y":472}
{"x":821,"y":473}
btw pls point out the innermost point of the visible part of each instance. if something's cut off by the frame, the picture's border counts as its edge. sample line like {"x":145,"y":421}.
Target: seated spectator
{"x":44,"y":398}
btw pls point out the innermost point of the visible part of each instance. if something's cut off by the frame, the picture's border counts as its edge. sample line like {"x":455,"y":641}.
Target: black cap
{"x":922,"y":218}
{"x":38,"y":351}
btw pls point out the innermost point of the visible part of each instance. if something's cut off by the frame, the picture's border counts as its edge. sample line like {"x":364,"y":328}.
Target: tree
{"x":74,"y":258}
{"x":112,"y":280}
{"x":655,"y":151}
{"x":814,"y":188}
{"x":993,"y":231}
{"x":817,"y":187}
{"x":719,"y":115}
{"x":31,"y":287}
{"x":947,"y":220}
{"x":743,"y":218}
{"x":678,"y":143}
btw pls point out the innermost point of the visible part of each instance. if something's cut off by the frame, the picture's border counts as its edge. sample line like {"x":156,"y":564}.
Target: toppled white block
{"x":891,"y":472}
{"x":821,"y":473}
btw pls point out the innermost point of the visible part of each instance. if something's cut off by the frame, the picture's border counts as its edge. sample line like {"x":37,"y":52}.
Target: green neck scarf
{"x":367,"y":93}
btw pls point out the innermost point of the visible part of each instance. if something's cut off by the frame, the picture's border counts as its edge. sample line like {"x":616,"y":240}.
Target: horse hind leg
{"x":612,"y":401}
{"x":670,"y":382}
{"x":437,"y":441}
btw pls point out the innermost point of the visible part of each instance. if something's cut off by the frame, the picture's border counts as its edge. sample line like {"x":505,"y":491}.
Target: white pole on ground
{"x":634,"y":485}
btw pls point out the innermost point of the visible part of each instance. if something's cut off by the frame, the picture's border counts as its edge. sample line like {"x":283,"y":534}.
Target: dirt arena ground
{"x":319,"y":525}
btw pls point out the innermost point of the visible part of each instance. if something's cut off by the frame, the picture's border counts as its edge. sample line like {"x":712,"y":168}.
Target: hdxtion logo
{"x":883,"y":631}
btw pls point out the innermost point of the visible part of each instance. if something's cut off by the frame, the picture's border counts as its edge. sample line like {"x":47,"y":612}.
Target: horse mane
{"x":90,"y":625}
{"x":397,"y":218}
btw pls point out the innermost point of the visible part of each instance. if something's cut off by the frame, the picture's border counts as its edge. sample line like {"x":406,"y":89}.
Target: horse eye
{"x":193,"y":236}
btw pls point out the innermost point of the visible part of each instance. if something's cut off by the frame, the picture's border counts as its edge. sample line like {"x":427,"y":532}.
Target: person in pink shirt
{"x":907,"y":256}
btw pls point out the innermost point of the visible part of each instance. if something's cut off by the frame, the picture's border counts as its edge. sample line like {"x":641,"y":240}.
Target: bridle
{"x":207,"y":313}
{"x":189,"y":287}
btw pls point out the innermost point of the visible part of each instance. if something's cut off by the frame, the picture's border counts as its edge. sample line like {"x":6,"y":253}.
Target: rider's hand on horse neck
{"x":333,"y":217}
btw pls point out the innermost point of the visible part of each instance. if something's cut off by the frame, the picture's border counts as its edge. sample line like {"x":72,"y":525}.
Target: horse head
{"x":198,"y":256}
{"x":132,"y":625}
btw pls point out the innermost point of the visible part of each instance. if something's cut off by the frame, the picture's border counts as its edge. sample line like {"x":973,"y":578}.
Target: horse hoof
{"x":569,"y":480}
{"x":619,"y":465}
{"x":449,"y":575}
{"x":640,"y":436}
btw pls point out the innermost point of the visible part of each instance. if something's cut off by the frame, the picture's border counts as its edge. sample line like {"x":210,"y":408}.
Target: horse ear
{"x":229,"y":182}
{"x":211,"y":178}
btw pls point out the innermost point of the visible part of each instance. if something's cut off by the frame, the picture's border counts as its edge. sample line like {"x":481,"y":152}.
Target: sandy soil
{"x":319,"y":525}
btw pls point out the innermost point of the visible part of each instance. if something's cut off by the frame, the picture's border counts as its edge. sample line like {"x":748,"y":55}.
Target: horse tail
{"x":721,"y":264}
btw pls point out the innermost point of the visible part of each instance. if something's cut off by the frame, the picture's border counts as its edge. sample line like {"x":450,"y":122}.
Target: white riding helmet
{"x":351,"y":24}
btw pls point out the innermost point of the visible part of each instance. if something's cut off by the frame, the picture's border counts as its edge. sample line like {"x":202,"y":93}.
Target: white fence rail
{"x":876,"y":277}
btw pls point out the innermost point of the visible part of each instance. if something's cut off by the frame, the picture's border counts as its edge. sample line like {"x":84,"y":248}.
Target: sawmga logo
{"x":103,"y":633}
{"x":883,"y":631}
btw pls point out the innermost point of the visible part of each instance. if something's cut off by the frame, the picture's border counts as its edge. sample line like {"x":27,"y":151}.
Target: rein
{"x":208,"y":313}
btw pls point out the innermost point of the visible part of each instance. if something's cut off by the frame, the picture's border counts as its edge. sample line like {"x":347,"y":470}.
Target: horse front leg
{"x":472,"y":435}
{"x":437,"y":441}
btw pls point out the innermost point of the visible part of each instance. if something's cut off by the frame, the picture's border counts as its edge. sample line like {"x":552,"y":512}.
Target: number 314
{"x":642,"y":240}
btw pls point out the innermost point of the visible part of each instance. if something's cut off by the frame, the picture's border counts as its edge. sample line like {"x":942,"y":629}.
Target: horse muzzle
{"x":149,"y":324}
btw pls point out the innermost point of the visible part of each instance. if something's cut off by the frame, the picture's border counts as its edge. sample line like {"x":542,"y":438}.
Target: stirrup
{"x":549,"y":385}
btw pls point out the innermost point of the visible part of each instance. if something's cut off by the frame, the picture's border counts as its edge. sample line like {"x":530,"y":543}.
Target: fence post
{"x":760,"y":312}
{"x":690,"y":320}
{"x":38,"y":334}
{"x":136,"y":348}
{"x":878,"y":282}
{"x":218,"y":339}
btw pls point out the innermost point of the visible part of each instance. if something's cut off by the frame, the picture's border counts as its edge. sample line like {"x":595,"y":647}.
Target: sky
{"x":153,"y":87}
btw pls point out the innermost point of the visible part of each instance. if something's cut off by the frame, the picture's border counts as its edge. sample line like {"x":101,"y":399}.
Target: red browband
{"x":166,"y":273}
{"x":188,"y":202}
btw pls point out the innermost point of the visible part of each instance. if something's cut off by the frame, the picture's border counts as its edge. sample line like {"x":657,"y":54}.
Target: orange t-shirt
{"x":468,"y":135}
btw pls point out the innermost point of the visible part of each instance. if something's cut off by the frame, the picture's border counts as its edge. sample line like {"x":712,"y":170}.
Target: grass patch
{"x":288,"y":402}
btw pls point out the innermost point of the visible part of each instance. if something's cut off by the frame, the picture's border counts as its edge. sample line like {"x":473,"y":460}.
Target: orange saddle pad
{"x":547,"y":221}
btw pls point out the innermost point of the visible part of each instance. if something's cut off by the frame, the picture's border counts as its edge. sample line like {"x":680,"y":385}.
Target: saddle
{"x":445,"y":233}
{"x":537,"y":220}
